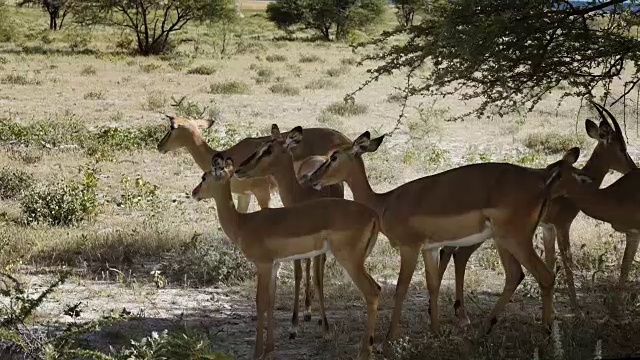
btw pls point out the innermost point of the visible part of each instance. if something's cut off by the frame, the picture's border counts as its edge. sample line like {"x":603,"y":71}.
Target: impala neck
{"x":596,"y":167}
{"x":227,"y":214}
{"x":200,"y":151}
{"x":285,"y":177}
{"x":361,"y":189}
{"x":588,"y":198}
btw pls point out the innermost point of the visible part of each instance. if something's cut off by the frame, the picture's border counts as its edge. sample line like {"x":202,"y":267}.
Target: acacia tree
{"x":57,"y":10}
{"x":152,"y":21}
{"x":511,"y":53}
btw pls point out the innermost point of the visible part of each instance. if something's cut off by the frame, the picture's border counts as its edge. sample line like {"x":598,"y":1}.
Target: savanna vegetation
{"x":103,"y":253}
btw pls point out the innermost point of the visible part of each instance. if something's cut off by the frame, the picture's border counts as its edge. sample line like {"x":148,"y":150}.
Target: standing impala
{"x":185,"y":133}
{"x":609,"y":154}
{"x":619,"y":205}
{"x":459,"y":207}
{"x":270,"y":236}
{"x":273,"y":158}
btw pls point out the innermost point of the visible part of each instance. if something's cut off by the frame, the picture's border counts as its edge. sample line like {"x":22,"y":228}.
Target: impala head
{"x":611,"y":148}
{"x":181,"y":132}
{"x":263,"y":161}
{"x":337,"y":165}
{"x":216,"y":180}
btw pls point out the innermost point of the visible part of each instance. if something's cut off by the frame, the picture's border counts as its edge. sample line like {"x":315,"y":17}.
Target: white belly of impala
{"x":486,"y":234}
{"x":324,"y":250}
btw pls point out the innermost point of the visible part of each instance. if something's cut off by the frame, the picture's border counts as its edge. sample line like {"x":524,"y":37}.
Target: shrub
{"x":318,"y":84}
{"x":337,"y":71}
{"x":276,"y":58}
{"x":347,"y":108}
{"x":19,"y":79}
{"x":14,"y":182}
{"x":229,"y":87}
{"x":94,"y":95}
{"x":208,"y":262}
{"x":155,"y":101}
{"x":311,"y":58}
{"x":150,"y":67}
{"x":284,"y":89}
{"x":61,"y":204}
{"x":202,"y":70}
{"x":348,"y":61}
{"x":88,"y":70}
{"x":552,"y":143}
{"x":328,"y":118}
{"x":264,"y":74}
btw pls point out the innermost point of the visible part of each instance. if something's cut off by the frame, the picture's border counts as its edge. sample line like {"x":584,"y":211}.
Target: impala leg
{"x":549,"y":242}
{"x":307,"y":290}
{"x":522,"y":249}
{"x":262,"y":302}
{"x":371,"y":293}
{"x":567,"y":264}
{"x":513,"y":276}
{"x":460,"y":260}
{"x":318,"y":265}
{"x":320,"y":274}
{"x":630,"y":250}
{"x":433,"y":285}
{"x":243,"y":202}
{"x":297,"y":275}
{"x":408,"y":261}
{"x":270,"y":345}
{"x":445,"y":255}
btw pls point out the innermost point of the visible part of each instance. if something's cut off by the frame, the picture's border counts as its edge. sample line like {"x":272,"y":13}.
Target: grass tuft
{"x":284,"y":89}
{"x":275,"y":58}
{"x":337,"y":71}
{"x":342,"y":108}
{"x":229,"y":88}
{"x":310,"y":58}
{"x":552,"y":143}
{"x":202,"y":70}
{"x":318,"y":84}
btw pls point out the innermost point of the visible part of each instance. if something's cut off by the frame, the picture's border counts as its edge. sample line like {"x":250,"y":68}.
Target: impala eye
{"x":266,"y":151}
{"x":333,"y":157}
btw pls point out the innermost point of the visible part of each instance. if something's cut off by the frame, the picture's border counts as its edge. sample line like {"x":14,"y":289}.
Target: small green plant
{"x":310,"y":58}
{"x":155,"y":101}
{"x":275,"y":58}
{"x":318,"y":84}
{"x":204,"y":262}
{"x":165,"y":345}
{"x":346,"y":108}
{"x":95,"y":95}
{"x":13,"y":182}
{"x":552,"y":143}
{"x":284,"y":89}
{"x":19,"y":79}
{"x":229,"y":88}
{"x":150,"y":67}
{"x":88,"y":70}
{"x":348,"y":61}
{"x":202,"y":70}
{"x":337,"y":71}
{"x":179,"y":64}
{"x":264,"y":74}
{"x":137,"y":193}
{"x":329,"y":119}
{"x":63,"y":203}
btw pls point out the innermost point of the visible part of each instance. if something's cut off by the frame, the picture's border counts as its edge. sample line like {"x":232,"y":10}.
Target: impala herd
{"x":439,"y":216}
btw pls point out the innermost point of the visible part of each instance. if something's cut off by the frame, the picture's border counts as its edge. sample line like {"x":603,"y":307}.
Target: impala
{"x":273,"y":158}
{"x":459,"y":207}
{"x":609,"y":153}
{"x":619,"y":205}
{"x":185,"y":133}
{"x":268,"y":237}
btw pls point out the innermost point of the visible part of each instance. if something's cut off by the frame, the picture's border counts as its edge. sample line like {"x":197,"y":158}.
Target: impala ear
{"x":172,"y":120}
{"x":294,"y":138}
{"x":592,"y":129}
{"x":572,"y":155}
{"x":361,"y":143}
{"x":228,"y":166}
{"x":605,"y":132}
{"x":275,"y":131}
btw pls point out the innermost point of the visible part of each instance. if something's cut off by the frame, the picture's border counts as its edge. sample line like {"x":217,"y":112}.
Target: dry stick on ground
{"x":185,"y":133}
{"x":274,"y":159}
{"x":268,"y":237}
{"x":609,"y":153}
{"x":459,"y":207}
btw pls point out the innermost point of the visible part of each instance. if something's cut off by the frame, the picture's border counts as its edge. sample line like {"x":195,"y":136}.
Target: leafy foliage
{"x":165,"y":345}
{"x":510,"y":53}
{"x":151,"y":21}
{"x":57,"y":10}
{"x":63,"y":203}
{"x":14,"y":182}
{"x":326,"y":16}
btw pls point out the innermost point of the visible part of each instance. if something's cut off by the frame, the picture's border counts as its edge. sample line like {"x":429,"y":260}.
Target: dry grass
{"x":135,"y":240}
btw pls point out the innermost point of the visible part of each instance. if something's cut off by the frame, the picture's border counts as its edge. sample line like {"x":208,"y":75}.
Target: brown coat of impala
{"x":185,"y":133}
{"x":269,"y":236}
{"x":459,"y":207}
{"x":609,"y":154}
{"x":273,"y":158}
{"x":619,"y":205}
